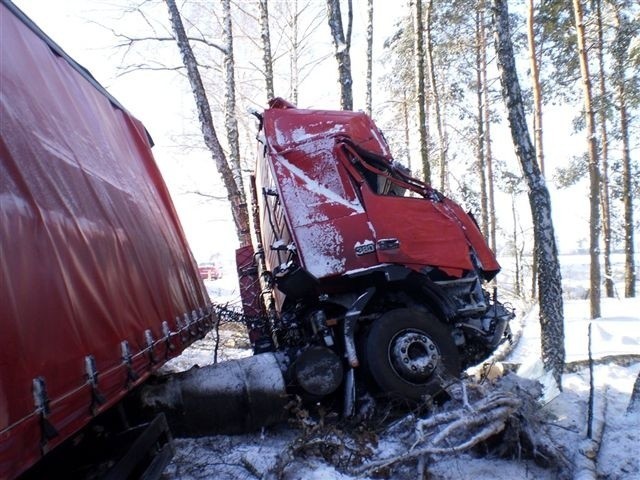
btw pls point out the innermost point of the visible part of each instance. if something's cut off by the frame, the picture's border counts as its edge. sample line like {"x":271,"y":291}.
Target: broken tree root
{"x":461,"y":430}
{"x":503,"y":419}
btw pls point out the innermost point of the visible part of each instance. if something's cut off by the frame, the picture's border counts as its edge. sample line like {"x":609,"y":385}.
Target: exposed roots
{"x":502,"y":419}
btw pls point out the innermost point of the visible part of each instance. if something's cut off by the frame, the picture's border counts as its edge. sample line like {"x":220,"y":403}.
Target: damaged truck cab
{"x":366,"y":274}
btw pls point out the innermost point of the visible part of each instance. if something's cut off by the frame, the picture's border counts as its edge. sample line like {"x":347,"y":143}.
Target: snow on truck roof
{"x":289,"y":127}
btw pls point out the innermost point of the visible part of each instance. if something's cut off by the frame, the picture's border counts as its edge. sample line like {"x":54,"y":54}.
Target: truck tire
{"x":410,"y":353}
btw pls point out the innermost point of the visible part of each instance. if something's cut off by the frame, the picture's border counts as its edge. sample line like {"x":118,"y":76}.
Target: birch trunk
{"x":537,"y":89}
{"x":266,"y":48}
{"x":420,"y":89}
{"x":295,"y":45}
{"x":234,"y":193}
{"x":442,"y":145}
{"x":230,"y":119}
{"x":549,"y":279}
{"x":487,"y":134}
{"x":405,"y":118}
{"x":342,"y":46}
{"x":480,"y":156}
{"x":604,"y":187}
{"x":537,"y":116}
{"x":369,"y":99}
{"x":594,"y":174}
{"x":516,"y":250}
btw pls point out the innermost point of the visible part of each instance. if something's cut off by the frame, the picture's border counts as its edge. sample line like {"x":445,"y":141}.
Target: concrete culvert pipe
{"x":235,"y":396}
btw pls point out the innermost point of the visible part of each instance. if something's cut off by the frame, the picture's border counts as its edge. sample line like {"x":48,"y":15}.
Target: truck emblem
{"x":365,"y":248}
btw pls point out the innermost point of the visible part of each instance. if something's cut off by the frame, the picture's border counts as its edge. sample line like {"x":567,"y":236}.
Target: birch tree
{"x":535,"y":84}
{"x":369,"y":99}
{"x":342,"y":47}
{"x":486,"y":111}
{"x":230,"y":118}
{"x":442,"y":144}
{"x":235,"y":193}
{"x":266,"y":48}
{"x":418,"y":32}
{"x":549,"y":278}
{"x":480,"y":140}
{"x":594,"y":175}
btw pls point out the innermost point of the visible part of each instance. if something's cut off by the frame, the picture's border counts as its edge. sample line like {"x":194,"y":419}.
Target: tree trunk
{"x":604,"y":188}
{"x":537,"y":118}
{"x":266,"y":48}
{"x":594,"y":174}
{"x":537,"y":89}
{"x":405,"y":117}
{"x":442,"y":147}
{"x":634,"y":401}
{"x":549,"y":279}
{"x":420,"y":89}
{"x":516,"y":251}
{"x":480,"y":157}
{"x":369,"y":55}
{"x":295,"y":45}
{"x":342,"y":46}
{"x":487,"y":134}
{"x":230,"y":119}
{"x":620,"y":52}
{"x":234,"y":193}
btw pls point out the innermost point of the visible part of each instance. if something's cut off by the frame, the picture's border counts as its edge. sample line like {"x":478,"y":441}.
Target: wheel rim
{"x":414,"y":356}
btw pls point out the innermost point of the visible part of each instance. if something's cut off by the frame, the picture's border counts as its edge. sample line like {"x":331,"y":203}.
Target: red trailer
{"x":98,"y":287}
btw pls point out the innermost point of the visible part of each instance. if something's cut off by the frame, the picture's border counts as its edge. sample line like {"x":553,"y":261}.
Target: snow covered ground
{"x":617,"y":333}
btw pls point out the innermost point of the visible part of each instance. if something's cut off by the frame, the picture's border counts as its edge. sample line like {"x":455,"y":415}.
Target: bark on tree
{"x":480,"y":140}
{"x":369,"y":99}
{"x":342,"y":47}
{"x":634,"y":401}
{"x":537,"y":89}
{"x":604,"y":140}
{"x":405,"y":118}
{"x":620,"y":53}
{"x":230,"y":118}
{"x":516,"y":251}
{"x":487,"y":134}
{"x":418,"y":52}
{"x":442,"y":144}
{"x":234,"y":193}
{"x":295,"y":45}
{"x":537,"y":115}
{"x":266,"y":47}
{"x":549,"y":279}
{"x":594,"y":173}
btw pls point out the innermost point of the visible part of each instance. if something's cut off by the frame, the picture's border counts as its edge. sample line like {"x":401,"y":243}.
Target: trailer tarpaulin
{"x":97,"y":283}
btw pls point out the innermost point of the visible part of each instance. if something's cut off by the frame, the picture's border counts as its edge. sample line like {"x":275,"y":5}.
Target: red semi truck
{"x":368,"y":275}
{"x":98,"y":287}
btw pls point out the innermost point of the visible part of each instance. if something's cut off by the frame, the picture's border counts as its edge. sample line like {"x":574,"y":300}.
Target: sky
{"x":163,"y":102}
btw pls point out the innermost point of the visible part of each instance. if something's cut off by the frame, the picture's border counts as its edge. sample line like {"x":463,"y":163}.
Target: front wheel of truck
{"x":411,"y":353}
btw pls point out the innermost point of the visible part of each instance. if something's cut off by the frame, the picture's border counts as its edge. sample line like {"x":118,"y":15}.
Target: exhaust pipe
{"x":236,"y":396}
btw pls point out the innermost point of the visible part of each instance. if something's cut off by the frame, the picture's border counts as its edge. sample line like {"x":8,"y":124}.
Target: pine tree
{"x":594,"y":169}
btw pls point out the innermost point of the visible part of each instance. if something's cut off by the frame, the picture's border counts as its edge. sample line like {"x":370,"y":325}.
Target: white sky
{"x":164,"y":104}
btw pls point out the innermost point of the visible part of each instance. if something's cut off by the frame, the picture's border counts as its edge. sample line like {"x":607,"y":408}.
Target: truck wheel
{"x":410,"y":352}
